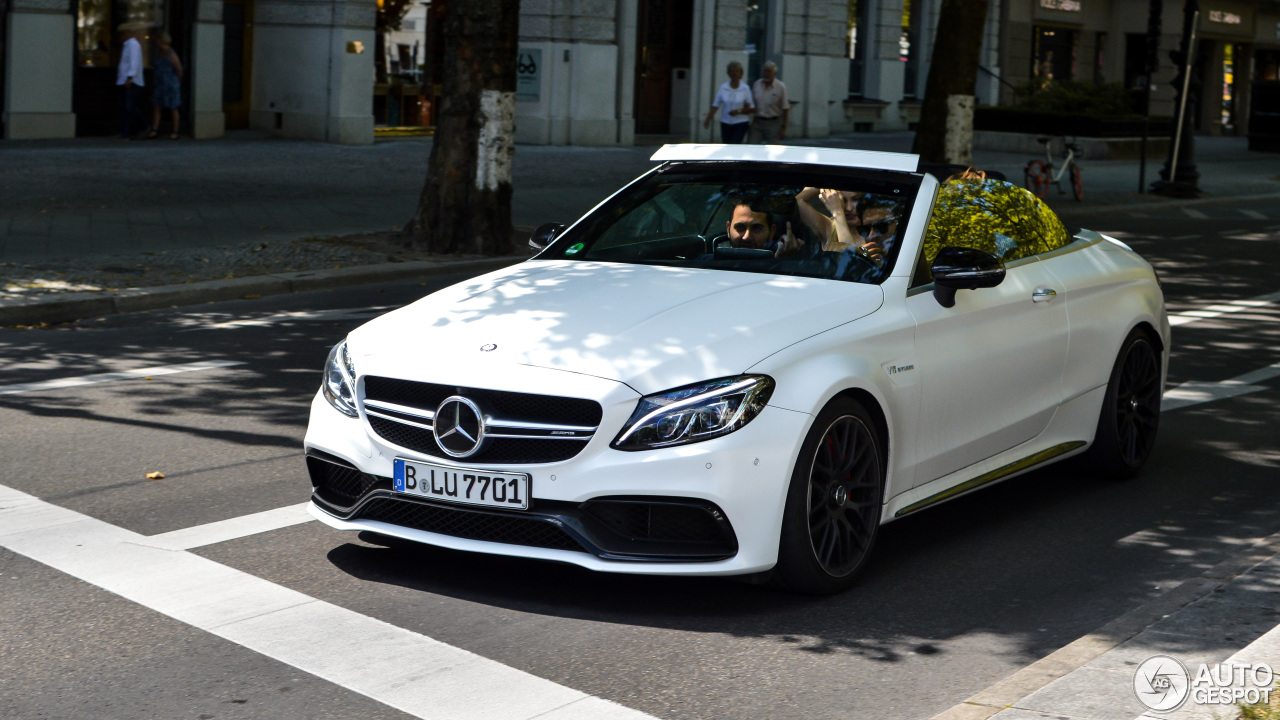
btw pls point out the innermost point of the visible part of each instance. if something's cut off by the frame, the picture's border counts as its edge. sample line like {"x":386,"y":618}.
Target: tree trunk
{"x":945,"y":132}
{"x":466,"y":204}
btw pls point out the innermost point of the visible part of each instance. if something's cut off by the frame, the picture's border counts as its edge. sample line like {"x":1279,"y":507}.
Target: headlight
{"x":339,"y":386}
{"x":695,"y":413}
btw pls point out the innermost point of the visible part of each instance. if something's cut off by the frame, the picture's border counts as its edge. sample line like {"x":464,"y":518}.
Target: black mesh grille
{"x":660,"y":522}
{"x":469,"y":524}
{"x":522,"y":407}
{"x":495,"y":451}
{"x":341,"y":485}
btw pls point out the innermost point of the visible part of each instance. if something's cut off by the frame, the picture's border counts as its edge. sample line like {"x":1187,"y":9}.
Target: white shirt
{"x":130,"y":63}
{"x":730,"y":98}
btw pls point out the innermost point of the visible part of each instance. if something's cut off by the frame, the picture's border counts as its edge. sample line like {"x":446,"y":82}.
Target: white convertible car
{"x":745,"y":361}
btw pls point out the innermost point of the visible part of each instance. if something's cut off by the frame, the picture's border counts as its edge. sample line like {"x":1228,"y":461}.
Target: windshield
{"x":786,"y":220}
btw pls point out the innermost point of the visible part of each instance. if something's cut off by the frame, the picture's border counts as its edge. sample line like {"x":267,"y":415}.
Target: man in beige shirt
{"x":772,"y":107}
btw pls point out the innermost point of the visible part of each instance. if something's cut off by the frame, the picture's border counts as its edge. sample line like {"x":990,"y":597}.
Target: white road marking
{"x":1192,"y":212}
{"x":1253,"y":214}
{"x":231,"y":529}
{"x":1254,"y":236}
{"x":113,"y":376}
{"x":1186,"y":237}
{"x":1137,"y":215}
{"x":300,"y":315}
{"x":1218,"y":310}
{"x":1197,"y":392}
{"x":402,"y":669}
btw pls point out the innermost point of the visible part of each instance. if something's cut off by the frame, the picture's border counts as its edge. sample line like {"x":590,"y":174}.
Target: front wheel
{"x":1077,"y":185}
{"x":1037,"y":178}
{"x":1130,"y":410}
{"x":833,"y":506}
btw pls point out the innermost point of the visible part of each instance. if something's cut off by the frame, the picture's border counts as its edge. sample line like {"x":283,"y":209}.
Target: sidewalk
{"x":1229,"y":615}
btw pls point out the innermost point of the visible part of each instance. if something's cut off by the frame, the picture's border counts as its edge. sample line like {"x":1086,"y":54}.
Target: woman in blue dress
{"x":167,"y":85}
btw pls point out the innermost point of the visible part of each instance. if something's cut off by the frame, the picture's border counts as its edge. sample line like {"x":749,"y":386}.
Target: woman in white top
{"x":736,"y":105}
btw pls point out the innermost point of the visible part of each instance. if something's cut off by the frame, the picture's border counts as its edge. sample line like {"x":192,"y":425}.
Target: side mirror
{"x":957,"y":268}
{"x":543,"y":236}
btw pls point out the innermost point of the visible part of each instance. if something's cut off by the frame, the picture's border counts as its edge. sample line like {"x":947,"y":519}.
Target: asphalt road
{"x":956,"y":598}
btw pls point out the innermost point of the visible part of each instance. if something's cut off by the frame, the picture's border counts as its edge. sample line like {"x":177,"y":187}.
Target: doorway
{"x":237,"y":56}
{"x":664,"y":42}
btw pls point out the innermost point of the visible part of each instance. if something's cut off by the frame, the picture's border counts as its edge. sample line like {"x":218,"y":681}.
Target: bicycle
{"x":1040,"y":174}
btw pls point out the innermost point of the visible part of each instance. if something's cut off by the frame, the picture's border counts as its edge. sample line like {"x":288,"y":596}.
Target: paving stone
{"x":1190,"y":649}
{"x":1224,"y":620}
{"x":1088,"y":694}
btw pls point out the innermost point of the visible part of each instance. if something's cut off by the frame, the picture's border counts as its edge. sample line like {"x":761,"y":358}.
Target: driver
{"x":750,"y":229}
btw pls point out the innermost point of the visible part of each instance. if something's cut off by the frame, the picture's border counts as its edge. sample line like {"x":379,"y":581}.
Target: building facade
{"x":606,"y":72}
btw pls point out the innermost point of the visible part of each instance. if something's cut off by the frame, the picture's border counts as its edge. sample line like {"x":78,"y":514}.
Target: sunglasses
{"x":880,"y":227}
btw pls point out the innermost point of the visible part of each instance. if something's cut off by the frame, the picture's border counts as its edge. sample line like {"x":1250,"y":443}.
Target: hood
{"x":650,"y":327}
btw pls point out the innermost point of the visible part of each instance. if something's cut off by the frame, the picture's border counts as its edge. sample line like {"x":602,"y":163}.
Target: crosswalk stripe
{"x":399,"y":668}
{"x":1253,"y":214}
{"x":1192,"y":212}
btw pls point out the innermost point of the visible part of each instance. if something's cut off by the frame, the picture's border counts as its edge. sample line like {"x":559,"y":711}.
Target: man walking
{"x":772,"y":107}
{"x":130,"y":81}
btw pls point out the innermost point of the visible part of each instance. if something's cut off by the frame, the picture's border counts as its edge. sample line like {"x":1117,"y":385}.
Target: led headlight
{"x":695,"y":413}
{"x":339,"y":385}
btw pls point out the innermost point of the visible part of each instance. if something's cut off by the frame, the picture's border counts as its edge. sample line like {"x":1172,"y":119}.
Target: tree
{"x":466,"y":204}
{"x":945,"y":132}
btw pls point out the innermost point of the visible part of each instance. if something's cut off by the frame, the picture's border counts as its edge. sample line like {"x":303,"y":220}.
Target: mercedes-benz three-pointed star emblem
{"x":458,"y":426}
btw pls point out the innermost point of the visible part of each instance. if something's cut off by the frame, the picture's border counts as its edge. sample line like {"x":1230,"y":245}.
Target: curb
{"x":77,"y":306}
{"x":1007,"y":692}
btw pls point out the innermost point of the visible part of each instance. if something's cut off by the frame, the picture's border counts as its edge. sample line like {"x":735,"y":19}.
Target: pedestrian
{"x":166,"y":91}
{"x":130,"y":81}
{"x":772,"y":106}
{"x":735,"y":105}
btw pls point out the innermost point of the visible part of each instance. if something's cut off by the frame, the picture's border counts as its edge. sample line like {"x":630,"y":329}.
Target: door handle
{"x":1044,"y":295}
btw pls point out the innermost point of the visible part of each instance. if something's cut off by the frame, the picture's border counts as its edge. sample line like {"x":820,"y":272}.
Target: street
{"x":956,"y":597}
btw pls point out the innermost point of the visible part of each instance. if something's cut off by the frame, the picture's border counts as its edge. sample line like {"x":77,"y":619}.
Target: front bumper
{"x":738,"y":481}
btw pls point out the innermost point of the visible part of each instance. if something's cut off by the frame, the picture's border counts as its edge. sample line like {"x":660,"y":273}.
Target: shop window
{"x":1266,"y":65}
{"x":1053,"y":56}
{"x":1099,"y":45}
{"x":1135,"y":61}
{"x":98,"y":28}
{"x":855,"y":46}
{"x":909,"y":50}
{"x":757,"y":22}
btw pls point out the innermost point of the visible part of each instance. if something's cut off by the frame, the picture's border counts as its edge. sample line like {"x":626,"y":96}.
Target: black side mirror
{"x":957,"y":268}
{"x":543,"y":236}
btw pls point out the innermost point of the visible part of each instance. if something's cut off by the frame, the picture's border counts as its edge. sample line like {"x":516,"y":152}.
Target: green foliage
{"x":1076,"y":98}
{"x":993,"y":216}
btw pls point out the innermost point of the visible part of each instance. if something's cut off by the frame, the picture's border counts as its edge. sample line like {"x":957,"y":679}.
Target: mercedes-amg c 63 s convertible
{"x":745,"y":361}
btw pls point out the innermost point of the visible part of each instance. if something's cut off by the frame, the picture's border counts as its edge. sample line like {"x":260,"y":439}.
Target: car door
{"x":991,"y":367}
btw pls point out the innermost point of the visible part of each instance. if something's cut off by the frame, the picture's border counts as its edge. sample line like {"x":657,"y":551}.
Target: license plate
{"x":455,"y":485}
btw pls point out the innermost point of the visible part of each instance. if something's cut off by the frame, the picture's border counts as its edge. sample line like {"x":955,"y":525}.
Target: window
{"x":993,"y":216}
{"x":1053,"y":55}
{"x":909,"y":50}
{"x":750,"y":220}
{"x":855,"y":45}
{"x":97,"y":28}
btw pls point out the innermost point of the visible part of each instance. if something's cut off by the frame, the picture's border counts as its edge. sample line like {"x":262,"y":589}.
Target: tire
{"x":1130,"y":413}
{"x":1037,"y":178}
{"x":832,"y":516}
{"x":1077,"y":184}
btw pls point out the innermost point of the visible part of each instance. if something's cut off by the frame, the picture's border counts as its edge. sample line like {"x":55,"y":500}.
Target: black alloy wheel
{"x":833,"y":507}
{"x":1130,"y":410}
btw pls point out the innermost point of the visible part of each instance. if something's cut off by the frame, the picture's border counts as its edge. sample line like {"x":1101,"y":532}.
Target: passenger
{"x":837,"y":230}
{"x":750,"y":229}
{"x":878,"y":226}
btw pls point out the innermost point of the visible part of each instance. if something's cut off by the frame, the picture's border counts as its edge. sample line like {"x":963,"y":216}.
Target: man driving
{"x":750,"y":229}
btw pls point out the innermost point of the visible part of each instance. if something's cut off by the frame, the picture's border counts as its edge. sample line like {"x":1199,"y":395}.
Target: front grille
{"x":341,"y":485}
{"x":522,"y":407}
{"x":510,"y":407}
{"x":495,"y":451}
{"x":469,"y":524}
